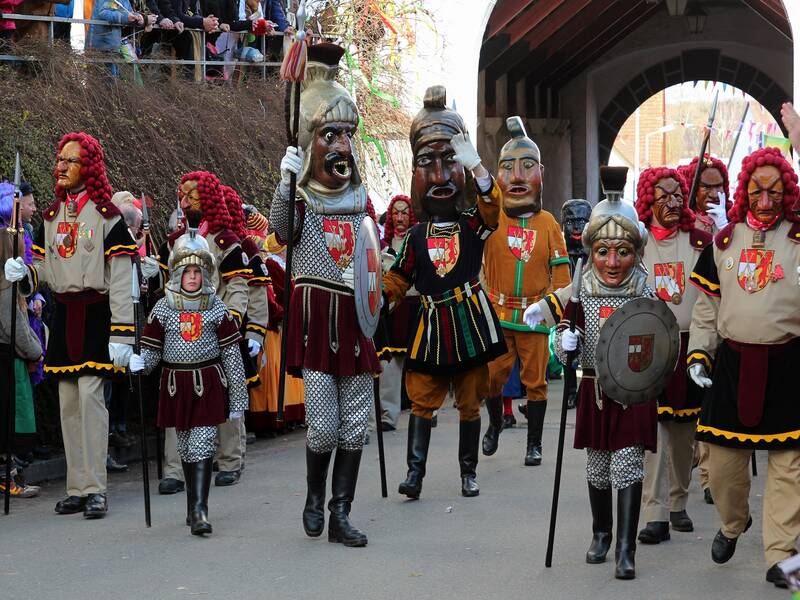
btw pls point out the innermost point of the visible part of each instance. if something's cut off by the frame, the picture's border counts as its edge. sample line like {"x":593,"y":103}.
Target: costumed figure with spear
{"x":333,"y":254}
{"x":17,"y":339}
{"x":84,"y":252}
{"x":618,"y":330}
{"x":194,"y":337}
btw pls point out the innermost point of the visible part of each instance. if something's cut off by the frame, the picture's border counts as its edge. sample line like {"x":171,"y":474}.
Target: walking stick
{"x":146,"y":241}
{"x":13,"y":231}
{"x":376,"y":382}
{"x":293,"y":70}
{"x":135,"y":291}
{"x":755,"y":468}
{"x":576,"y":290}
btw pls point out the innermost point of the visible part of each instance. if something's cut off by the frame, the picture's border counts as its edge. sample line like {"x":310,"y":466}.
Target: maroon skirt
{"x":614,"y":427}
{"x":324,"y":334}
{"x":193,"y":396}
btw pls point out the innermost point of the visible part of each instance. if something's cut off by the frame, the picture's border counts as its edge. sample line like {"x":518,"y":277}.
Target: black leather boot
{"x":602,"y":524}
{"x":469,"y":434}
{"x":494,"y":406}
{"x":628,"y":501}
{"x":419,"y":439}
{"x":343,"y":488}
{"x":533,"y":453}
{"x":316,"y":478}
{"x":201,"y":484}
{"x":188,"y":478}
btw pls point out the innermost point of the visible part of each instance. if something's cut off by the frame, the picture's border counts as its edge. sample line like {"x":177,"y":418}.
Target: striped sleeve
{"x":704,"y":275}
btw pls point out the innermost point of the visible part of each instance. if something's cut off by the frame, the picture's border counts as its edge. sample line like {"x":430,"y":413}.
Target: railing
{"x":109,"y":58}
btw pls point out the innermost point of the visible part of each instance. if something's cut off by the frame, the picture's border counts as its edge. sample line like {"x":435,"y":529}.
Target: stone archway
{"x":691,"y":65}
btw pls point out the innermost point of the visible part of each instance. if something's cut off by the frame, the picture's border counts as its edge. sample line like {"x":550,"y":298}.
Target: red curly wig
{"x":93,"y":167}
{"x":759,"y":158}
{"x":646,"y":196}
{"x":212,"y":202}
{"x":388,"y":228}
{"x":233,"y":202}
{"x":709,"y":162}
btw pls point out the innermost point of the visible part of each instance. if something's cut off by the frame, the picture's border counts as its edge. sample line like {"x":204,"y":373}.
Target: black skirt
{"x":779,"y":426}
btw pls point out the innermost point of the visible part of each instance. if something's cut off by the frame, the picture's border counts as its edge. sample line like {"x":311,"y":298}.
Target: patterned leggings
{"x":197,"y":443}
{"x":617,"y":468}
{"x":337,"y":409}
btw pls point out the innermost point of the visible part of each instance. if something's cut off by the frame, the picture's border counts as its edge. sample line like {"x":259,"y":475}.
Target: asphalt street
{"x":440,"y":547}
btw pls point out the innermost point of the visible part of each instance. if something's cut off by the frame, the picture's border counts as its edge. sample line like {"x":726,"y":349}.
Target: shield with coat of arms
{"x":637,"y":350}
{"x":521,"y":242}
{"x":340,"y":239}
{"x":443,"y":252}
{"x":755,"y":269}
{"x":367,"y":277}
{"x":191,"y":324}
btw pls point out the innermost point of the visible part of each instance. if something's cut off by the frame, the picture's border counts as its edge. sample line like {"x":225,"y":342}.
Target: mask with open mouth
{"x":338,"y":166}
{"x":574,"y":216}
{"x":520,"y":172}
{"x":439,"y":201}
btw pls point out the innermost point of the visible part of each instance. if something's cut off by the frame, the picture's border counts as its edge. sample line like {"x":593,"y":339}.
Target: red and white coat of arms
{"x":341,"y":241}
{"x":521,"y":242}
{"x":443,"y":252}
{"x":755,"y":269}
{"x":191,"y":324}
{"x":640,"y":352}
{"x":670,"y":280}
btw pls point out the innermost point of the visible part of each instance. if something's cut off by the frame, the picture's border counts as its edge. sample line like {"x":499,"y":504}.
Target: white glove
{"x":237,"y":414}
{"x":291,"y":163}
{"x":717,"y":212}
{"x":119,"y":354}
{"x":135,"y":363}
{"x":699,"y":375}
{"x":466,"y":153}
{"x":253,"y":348}
{"x":569,"y":340}
{"x":533,"y":316}
{"x":15,"y":269}
{"x":149,"y":267}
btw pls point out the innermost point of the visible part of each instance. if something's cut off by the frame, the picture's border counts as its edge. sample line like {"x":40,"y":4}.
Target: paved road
{"x":440,"y":547}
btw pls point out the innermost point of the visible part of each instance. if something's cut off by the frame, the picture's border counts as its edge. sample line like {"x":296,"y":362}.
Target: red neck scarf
{"x":758,"y":225}
{"x":660,"y":233}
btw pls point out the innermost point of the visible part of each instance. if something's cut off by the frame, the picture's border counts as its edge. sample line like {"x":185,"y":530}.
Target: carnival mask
{"x":189,"y":195}
{"x":332,"y":155}
{"x":709,"y":189}
{"x":68,"y":167}
{"x":400,"y":217}
{"x":438,"y":181}
{"x":520,"y":180}
{"x":574,"y":216}
{"x":668,"y":203}
{"x":765,"y":194}
{"x":613,"y":260}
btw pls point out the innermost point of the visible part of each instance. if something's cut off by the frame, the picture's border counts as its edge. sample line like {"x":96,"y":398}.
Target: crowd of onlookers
{"x":234,"y":29}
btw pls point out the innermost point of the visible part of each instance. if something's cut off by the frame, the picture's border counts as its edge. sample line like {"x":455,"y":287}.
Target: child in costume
{"x":193,"y":336}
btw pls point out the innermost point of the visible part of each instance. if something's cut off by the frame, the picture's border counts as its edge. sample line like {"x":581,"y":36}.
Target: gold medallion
{"x":677,"y":298}
{"x":72,"y":209}
{"x":68,"y":240}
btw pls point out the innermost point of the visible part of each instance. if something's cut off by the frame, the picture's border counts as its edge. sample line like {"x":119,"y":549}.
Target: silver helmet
{"x":613,"y":217}
{"x":189,"y":249}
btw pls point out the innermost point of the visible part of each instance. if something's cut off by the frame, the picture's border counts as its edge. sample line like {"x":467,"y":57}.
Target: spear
{"x":13,"y":231}
{"x":135,"y":293}
{"x":576,"y":295}
{"x":146,"y":241}
{"x":696,"y":179}
{"x":293,"y":71}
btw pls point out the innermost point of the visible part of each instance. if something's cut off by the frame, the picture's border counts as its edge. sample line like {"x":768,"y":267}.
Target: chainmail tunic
{"x":197,"y":443}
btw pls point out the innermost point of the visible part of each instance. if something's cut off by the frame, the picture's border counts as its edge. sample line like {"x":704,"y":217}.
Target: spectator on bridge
{"x":7,"y":26}
{"x":109,"y":37}
{"x":61,"y":31}
{"x":186,"y":14}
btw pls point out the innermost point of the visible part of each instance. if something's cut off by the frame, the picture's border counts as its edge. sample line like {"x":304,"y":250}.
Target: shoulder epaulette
{"x":107,"y":209}
{"x":699,"y":239}
{"x":225,"y":239}
{"x":249,"y":247}
{"x":724,"y":236}
{"x":794,"y":233}
{"x":51,"y":211}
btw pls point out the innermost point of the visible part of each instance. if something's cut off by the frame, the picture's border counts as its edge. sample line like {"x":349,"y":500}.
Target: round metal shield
{"x":367,"y":276}
{"x":637,"y":351}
